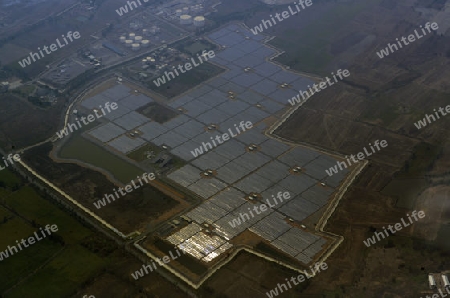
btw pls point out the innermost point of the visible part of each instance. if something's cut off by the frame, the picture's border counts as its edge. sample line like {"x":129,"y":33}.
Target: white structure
{"x":122,"y":39}
{"x":431,"y":281}
{"x":145,"y":32}
{"x":138,"y":38}
{"x":128,"y":43}
{"x":145,"y":43}
{"x":154,"y":30}
{"x":445,"y":281}
{"x":178,"y":12}
{"x":135,"y":46}
{"x":131,"y":35}
{"x":144,"y":61}
{"x":199,"y":21}
{"x":185,"y":10}
{"x":185,"y":19}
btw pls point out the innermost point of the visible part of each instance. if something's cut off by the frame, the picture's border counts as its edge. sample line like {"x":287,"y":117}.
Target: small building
{"x":431,"y":282}
{"x":4,"y":86}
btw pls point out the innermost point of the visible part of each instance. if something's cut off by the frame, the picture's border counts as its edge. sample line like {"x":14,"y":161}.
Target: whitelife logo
{"x":411,"y":38}
{"x":188,"y":66}
{"x":422,"y":123}
{"x":281,"y":16}
{"x":397,"y":226}
{"x":91,"y":118}
{"x":33,"y":56}
{"x":31,"y":240}
{"x":128,"y":188}
{"x":166,"y":259}
{"x":225,"y":137}
{"x":263,"y":207}
{"x":301,"y":278}
{"x":124,"y":9}
{"x":11,"y":158}
{"x":323,"y":85}
{"x":334,"y":170}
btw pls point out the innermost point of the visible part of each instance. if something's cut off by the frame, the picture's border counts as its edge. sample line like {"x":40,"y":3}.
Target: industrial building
{"x":199,"y":21}
{"x":113,"y":48}
{"x":185,"y":19}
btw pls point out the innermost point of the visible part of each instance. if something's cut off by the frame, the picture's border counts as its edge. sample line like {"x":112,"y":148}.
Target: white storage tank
{"x":144,"y":61}
{"x":131,"y":35}
{"x":145,"y":32}
{"x":122,"y":39}
{"x":445,"y":281}
{"x":178,"y":12}
{"x":185,"y":10}
{"x":138,"y":38}
{"x":185,"y":19}
{"x":199,"y":21}
{"x":135,"y":46}
{"x":145,"y":43}
{"x":128,"y":43}
{"x":431,"y":281}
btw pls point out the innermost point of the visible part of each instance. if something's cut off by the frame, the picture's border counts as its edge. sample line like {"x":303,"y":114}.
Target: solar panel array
{"x":192,"y":240}
{"x":249,"y":91}
{"x":257,"y":95}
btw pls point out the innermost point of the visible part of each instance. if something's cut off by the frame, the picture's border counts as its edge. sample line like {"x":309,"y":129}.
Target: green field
{"x":49,"y":267}
{"x":45,"y":213}
{"x":62,"y":275}
{"x":81,"y":149}
{"x":9,"y":179}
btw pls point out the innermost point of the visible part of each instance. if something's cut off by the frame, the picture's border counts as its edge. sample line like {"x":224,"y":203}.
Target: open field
{"x":31,"y":209}
{"x":195,"y":47}
{"x":382,"y":103}
{"x":308,"y":37}
{"x":9,"y":179}
{"x":157,"y":112}
{"x":250,"y":276}
{"x":64,"y":264}
{"x":72,"y":272}
{"x":184,"y":82}
{"x":17,"y":117}
{"x":129,"y":213}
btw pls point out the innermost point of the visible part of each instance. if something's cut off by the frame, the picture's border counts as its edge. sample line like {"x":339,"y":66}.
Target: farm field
{"x":34,"y":264}
{"x":78,"y":260}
